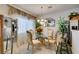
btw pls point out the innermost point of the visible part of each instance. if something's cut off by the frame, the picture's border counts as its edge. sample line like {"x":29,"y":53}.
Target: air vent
{"x":49,"y":6}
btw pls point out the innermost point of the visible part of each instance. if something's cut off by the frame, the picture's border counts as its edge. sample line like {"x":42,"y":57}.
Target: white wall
{"x":7,"y":28}
{"x":63,"y":13}
{"x":75,"y":41}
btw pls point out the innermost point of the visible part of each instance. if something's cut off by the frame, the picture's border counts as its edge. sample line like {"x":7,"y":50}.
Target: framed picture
{"x":51,"y":22}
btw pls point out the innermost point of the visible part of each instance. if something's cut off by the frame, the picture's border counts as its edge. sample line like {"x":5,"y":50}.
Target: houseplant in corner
{"x":62,"y":26}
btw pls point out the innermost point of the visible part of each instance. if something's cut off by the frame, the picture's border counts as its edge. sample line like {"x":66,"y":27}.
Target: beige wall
{"x":4,"y":11}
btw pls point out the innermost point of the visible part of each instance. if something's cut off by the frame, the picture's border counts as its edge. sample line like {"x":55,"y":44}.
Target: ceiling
{"x":36,"y":9}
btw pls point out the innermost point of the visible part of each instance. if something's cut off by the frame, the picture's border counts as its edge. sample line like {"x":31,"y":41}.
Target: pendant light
{"x":42,"y":21}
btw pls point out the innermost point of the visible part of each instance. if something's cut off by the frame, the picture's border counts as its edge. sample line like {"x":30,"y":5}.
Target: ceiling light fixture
{"x":42,"y":21}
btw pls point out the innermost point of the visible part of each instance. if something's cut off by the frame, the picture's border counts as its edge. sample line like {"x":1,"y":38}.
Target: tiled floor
{"x":37,"y":49}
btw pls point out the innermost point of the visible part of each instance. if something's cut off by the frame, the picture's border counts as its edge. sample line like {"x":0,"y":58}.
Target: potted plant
{"x":62,"y":27}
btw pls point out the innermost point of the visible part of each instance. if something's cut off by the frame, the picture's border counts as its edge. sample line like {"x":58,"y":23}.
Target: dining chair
{"x":50,"y":38}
